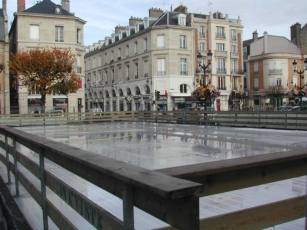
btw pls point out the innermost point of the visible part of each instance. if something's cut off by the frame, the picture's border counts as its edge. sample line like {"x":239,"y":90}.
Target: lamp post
{"x":300,"y":72}
{"x":204,"y":67}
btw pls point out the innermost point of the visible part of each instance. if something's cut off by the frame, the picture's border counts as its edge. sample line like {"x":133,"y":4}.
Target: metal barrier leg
{"x":43,"y":187}
{"x":128,"y":207}
{"x":7,"y":160}
{"x":16,"y":167}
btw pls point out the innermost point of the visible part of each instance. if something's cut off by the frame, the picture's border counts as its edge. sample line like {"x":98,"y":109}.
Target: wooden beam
{"x":228,"y":175}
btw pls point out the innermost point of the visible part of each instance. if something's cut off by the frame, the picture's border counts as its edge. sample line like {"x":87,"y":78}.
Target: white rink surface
{"x":156,"y":146}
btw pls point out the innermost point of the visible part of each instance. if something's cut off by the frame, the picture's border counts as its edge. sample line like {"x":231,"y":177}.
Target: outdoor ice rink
{"x":156,"y":146}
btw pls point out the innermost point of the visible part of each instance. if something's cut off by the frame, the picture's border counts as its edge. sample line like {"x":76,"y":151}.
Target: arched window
{"x":107,"y":94}
{"x":121,"y":93}
{"x":147,"y":89}
{"x":128,"y":92}
{"x":137,"y":91}
{"x":113,"y":93}
{"x":183,"y":88}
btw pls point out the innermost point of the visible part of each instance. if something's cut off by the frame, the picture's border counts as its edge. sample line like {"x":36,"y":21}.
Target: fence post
{"x":43,"y":187}
{"x":7,"y":160}
{"x":16,"y":166}
{"x":128,"y":207}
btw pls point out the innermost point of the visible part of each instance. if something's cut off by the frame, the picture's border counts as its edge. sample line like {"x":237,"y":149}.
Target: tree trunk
{"x":43,"y":102}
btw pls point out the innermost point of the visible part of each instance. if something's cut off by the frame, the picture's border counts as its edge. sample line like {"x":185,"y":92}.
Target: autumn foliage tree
{"x":45,"y":70}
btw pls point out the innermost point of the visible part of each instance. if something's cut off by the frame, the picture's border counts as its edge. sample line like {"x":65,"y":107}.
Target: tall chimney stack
{"x":66,"y":5}
{"x":21,"y":5}
{"x":4,"y":5}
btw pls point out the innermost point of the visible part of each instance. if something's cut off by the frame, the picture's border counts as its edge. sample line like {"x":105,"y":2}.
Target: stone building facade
{"x":47,"y":24}
{"x":4,"y":57}
{"x":152,"y":63}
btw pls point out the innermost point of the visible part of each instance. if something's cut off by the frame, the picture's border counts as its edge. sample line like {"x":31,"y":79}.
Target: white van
{"x":57,"y":112}
{"x":96,"y":111}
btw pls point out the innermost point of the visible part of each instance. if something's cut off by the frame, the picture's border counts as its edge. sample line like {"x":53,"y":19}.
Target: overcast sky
{"x":273,"y":16}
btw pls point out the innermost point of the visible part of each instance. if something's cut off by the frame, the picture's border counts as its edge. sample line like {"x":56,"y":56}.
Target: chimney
{"x":66,"y":5}
{"x":4,"y":5}
{"x":265,"y":42}
{"x":133,"y":20}
{"x":255,"y":35}
{"x":295,"y":34}
{"x":21,"y":6}
{"x":155,"y":12}
{"x":119,"y":28}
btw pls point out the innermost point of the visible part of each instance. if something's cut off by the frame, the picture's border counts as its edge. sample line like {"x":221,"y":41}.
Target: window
{"x":161,"y":67}
{"x":220,"y":32}
{"x":202,"y":31}
{"x":245,"y":66}
{"x":183,"y":44}
{"x":278,"y":82}
{"x":100,"y":76}
{"x":112,"y":76}
{"x":145,"y":44}
{"x":221,"y":83}
{"x":78,"y":63}
{"x":202,"y":46}
{"x":235,"y":83}
{"x":112,"y":56}
{"x":94,"y":63}
{"x":234,"y":66}
{"x":136,"y":70}
{"x":220,"y":46}
{"x":135,"y":47}
{"x":275,"y":67}
{"x":106,"y":58}
{"x":256,"y":84}
{"x":34,"y":32}
{"x":119,"y":74}
{"x":221,"y":65}
{"x":160,"y":41}
{"x":183,"y":66}
{"x":78,"y":36}
{"x":233,"y":49}
{"x":59,"y":34}
{"x":182,"y":20}
{"x":119,"y":53}
{"x":256,"y":72}
{"x":145,"y":68}
{"x":244,"y":51}
{"x":183,"y":88}
{"x":106,"y":76}
{"x":233,"y":35}
{"x":127,"y":51}
{"x":127,"y":72}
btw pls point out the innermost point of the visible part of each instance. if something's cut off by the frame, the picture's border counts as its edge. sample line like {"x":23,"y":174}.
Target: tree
{"x":45,"y":70}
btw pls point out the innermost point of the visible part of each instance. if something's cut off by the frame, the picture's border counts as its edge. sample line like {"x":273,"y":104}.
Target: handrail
{"x":153,"y":192}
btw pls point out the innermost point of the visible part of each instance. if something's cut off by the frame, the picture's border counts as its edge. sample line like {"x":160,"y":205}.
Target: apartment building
{"x":47,"y":24}
{"x":151,"y":64}
{"x":4,"y":57}
{"x":268,"y":67}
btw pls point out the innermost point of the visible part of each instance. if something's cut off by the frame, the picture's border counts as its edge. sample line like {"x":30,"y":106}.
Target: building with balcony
{"x":268,"y":66}
{"x":47,"y":24}
{"x":4,"y":57}
{"x":159,"y":54}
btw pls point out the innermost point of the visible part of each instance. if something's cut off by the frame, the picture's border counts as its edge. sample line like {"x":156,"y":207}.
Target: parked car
{"x":95,"y":111}
{"x":55,"y":113}
{"x":299,"y":108}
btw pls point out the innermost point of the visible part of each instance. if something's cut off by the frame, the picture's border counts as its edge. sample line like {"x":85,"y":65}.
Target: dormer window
{"x":182,"y":20}
{"x":57,"y":9}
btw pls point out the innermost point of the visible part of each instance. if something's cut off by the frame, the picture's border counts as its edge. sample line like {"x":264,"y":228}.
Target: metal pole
{"x":43,"y":187}
{"x":7,"y":160}
{"x":16,"y":166}
{"x":128,"y":207}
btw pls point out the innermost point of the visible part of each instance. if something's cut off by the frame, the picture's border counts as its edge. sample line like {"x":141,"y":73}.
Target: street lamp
{"x":204,"y":67}
{"x":301,"y":73}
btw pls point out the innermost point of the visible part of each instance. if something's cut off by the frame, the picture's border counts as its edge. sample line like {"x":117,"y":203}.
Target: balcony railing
{"x":161,"y":73}
{"x":233,"y":38}
{"x":275,"y":71}
{"x":201,"y":35}
{"x":256,"y":73}
{"x":183,"y":72}
{"x":222,"y":88}
{"x":221,"y":53}
{"x":220,"y":35}
{"x":236,"y":71}
{"x":221,"y":70}
{"x":234,"y":55}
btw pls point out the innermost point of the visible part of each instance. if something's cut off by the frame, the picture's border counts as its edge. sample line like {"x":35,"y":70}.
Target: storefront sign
{"x":179,"y":100}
